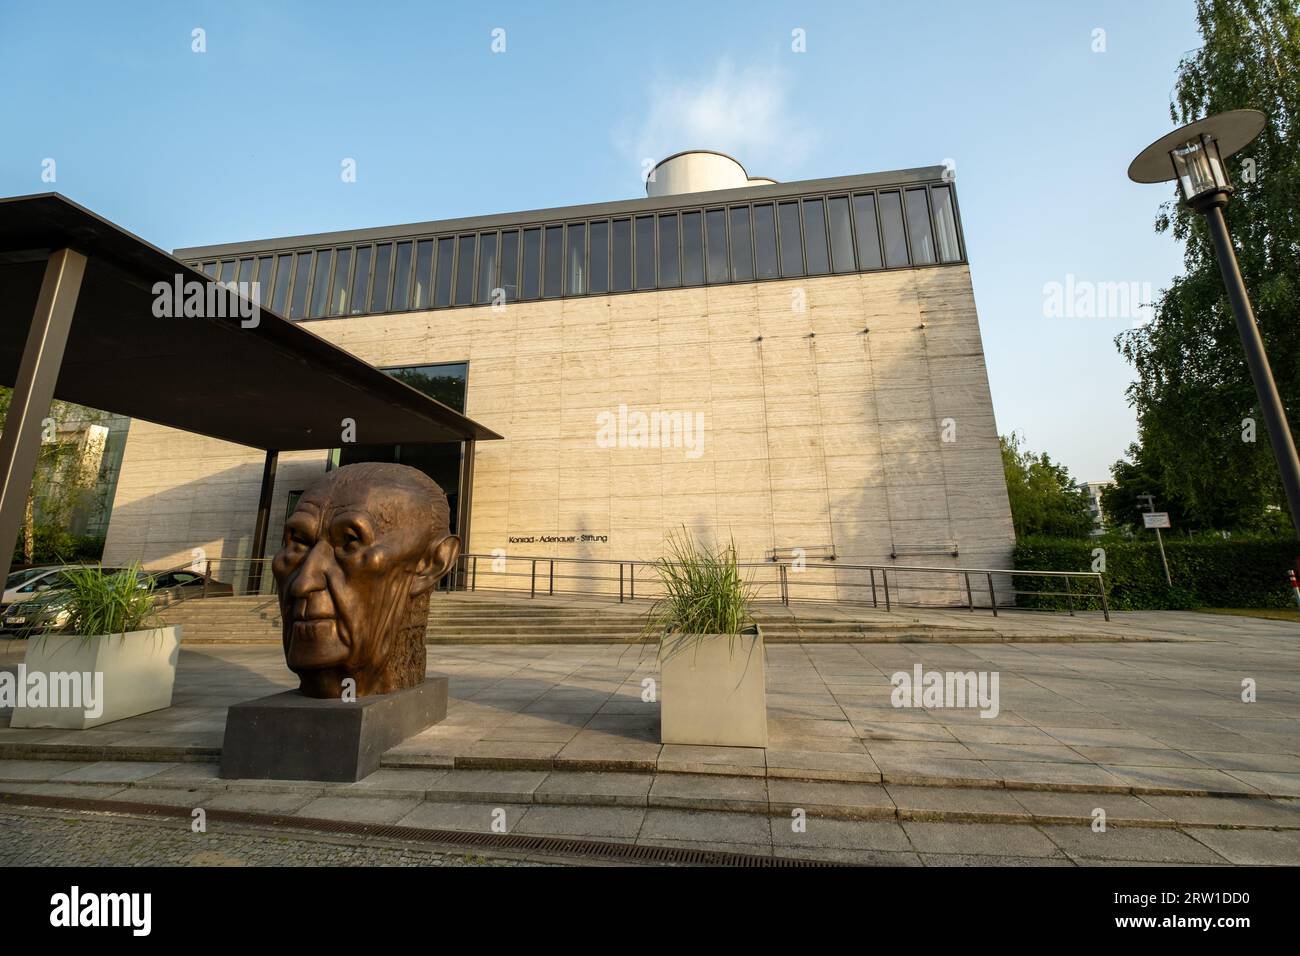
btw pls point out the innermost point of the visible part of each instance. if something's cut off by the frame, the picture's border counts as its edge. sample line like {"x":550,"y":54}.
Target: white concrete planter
{"x":138,"y":668}
{"x":713,"y":690}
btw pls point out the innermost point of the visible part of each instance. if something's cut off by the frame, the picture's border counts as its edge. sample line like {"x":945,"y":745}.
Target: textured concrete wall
{"x":816,"y":432}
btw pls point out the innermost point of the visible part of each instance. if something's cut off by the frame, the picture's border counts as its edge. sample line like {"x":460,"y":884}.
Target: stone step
{"x":780,"y":799}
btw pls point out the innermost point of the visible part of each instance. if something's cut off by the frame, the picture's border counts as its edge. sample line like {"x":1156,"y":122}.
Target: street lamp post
{"x":1194,"y":155}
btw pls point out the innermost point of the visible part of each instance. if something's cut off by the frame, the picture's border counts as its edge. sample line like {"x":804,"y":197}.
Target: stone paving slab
{"x":1134,"y":844}
{"x":1252,"y":847}
{"x":987,"y":839}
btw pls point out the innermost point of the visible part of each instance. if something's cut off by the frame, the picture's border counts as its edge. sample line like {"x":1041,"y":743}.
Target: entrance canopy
{"x":273,"y":385}
{"x":95,"y":316}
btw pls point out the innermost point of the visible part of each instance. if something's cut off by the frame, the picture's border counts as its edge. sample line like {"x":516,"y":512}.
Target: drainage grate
{"x":561,"y":846}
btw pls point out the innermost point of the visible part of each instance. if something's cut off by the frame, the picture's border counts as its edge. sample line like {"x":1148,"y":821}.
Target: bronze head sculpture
{"x":362,"y":551}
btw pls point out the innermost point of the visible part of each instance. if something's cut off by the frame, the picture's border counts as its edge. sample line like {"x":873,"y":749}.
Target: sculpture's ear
{"x":437,"y":561}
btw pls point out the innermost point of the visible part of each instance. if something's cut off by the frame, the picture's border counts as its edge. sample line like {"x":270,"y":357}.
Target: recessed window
{"x":487,"y":266}
{"x":423,"y":274}
{"x":891,"y":219}
{"x":532,"y":264}
{"x":302,"y":272}
{"x":669,"y":240}
{"x":320,"y":288}
{"x":245,"y":272}
{"x":402,"y":278}
{"x":742,"y":250}
{"x":715,"y":235}
{"x":283,"y":275}
{"x":575,"y":275}
{"x":442,"y":275}
{"x":864,"y":217}
{"x":918,"y":227}
{"x":945,"y":221}
{"x":645,"y":252}
{"x":383,"y":268}
{"x":622,"y":255}
{"x":361,"y":279}
{"x":380,"y":286}
{"x":791,"y":242}
{"x":210,"y":269}
{"x":265,"y":271}
{"x":814,"y":227}
{"x":554,"y":262}
{"x":841,"y":234}
{"x":510,"y":265}
{"x":465,"y":269}
{"x":339,"y":294}
{"x":599,"y":272}
{"x":228,"y":271}
{"x":692,"y":248}
{"x":765,"y":241}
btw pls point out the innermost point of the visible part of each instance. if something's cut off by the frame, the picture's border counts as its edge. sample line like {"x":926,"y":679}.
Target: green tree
{"x":1045,"y":500}
{"x":66,"y":480}
{"x":1135,"y":476}
{"x":1194,"y":398}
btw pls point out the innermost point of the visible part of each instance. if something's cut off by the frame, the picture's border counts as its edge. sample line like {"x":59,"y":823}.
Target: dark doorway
{"x":441,"y":461}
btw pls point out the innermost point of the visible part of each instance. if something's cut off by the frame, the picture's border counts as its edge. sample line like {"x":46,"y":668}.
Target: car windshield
{"x":22,"y":577}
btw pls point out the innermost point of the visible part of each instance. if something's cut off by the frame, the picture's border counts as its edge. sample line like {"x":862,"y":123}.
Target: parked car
{"x":44,"y":608}
{"x":181,"y":585}
{"x":36,"y":615}
{"x":26,"y":584}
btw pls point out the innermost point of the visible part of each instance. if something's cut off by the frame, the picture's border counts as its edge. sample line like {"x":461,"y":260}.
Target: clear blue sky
{"x":246,"y":140}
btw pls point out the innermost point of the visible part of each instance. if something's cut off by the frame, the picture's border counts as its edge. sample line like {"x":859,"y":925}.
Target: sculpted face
{"x":362,"y":551}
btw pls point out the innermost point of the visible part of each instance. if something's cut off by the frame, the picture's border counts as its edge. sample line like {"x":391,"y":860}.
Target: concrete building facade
{"x":793,"y":366}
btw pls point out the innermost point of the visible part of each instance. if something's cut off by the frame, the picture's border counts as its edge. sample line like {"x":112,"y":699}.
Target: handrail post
{"x":532,"y":586}
{"x":1069,"y":595}
{"x":884,"y":576}
{"x":970,"y":599}
{"x":620,"y":582}
{"x":631,"y":580}
{"x":551,"y":584}
{"x":207,"y":573}
{"x":784,"y":584}
{"x":874,"y":602}
{"x":473,"y":573}
{"x":1101,"y":586}
{"x":993,"y":598}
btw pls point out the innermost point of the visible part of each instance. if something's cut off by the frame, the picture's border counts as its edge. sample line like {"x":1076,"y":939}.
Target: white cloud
{"x":746,"y":113}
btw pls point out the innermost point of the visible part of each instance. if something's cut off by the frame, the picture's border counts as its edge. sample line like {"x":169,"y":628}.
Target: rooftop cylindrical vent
{"x":699,"y":171}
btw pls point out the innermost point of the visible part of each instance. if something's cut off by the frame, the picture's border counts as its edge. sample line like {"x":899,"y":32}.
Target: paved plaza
{"x":563,"y":741}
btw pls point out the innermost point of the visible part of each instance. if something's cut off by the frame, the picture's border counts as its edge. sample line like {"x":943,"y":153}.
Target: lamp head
{"x":1194,"y":154}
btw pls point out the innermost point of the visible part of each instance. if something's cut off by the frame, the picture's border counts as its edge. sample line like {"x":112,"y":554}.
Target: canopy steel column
{"x":38,"y":373}
{"x":465,"y":504}
{"x":263,"y":520}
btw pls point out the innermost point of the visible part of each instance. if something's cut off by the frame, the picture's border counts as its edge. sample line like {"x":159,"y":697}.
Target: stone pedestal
{"x":291,"y":737}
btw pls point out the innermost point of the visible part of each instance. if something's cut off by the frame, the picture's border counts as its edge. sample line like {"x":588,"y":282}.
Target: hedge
{"x":1206,"y":572}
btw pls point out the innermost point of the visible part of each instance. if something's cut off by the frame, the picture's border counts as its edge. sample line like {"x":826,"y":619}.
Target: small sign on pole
{"x":1156,"y":519}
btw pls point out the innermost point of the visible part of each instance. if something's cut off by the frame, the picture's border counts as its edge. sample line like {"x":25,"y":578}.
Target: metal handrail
{"x":465,"y":577}
{"x":543,"y":578}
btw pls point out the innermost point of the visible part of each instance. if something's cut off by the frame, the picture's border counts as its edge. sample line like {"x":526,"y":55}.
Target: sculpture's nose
{"x":311,"y":573}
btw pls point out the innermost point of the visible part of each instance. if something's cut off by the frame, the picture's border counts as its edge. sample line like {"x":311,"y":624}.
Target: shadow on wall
{"x":211,"y":517}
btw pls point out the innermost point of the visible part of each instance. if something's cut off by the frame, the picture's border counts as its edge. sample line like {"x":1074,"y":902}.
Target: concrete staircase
{"x":481,"y":618}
